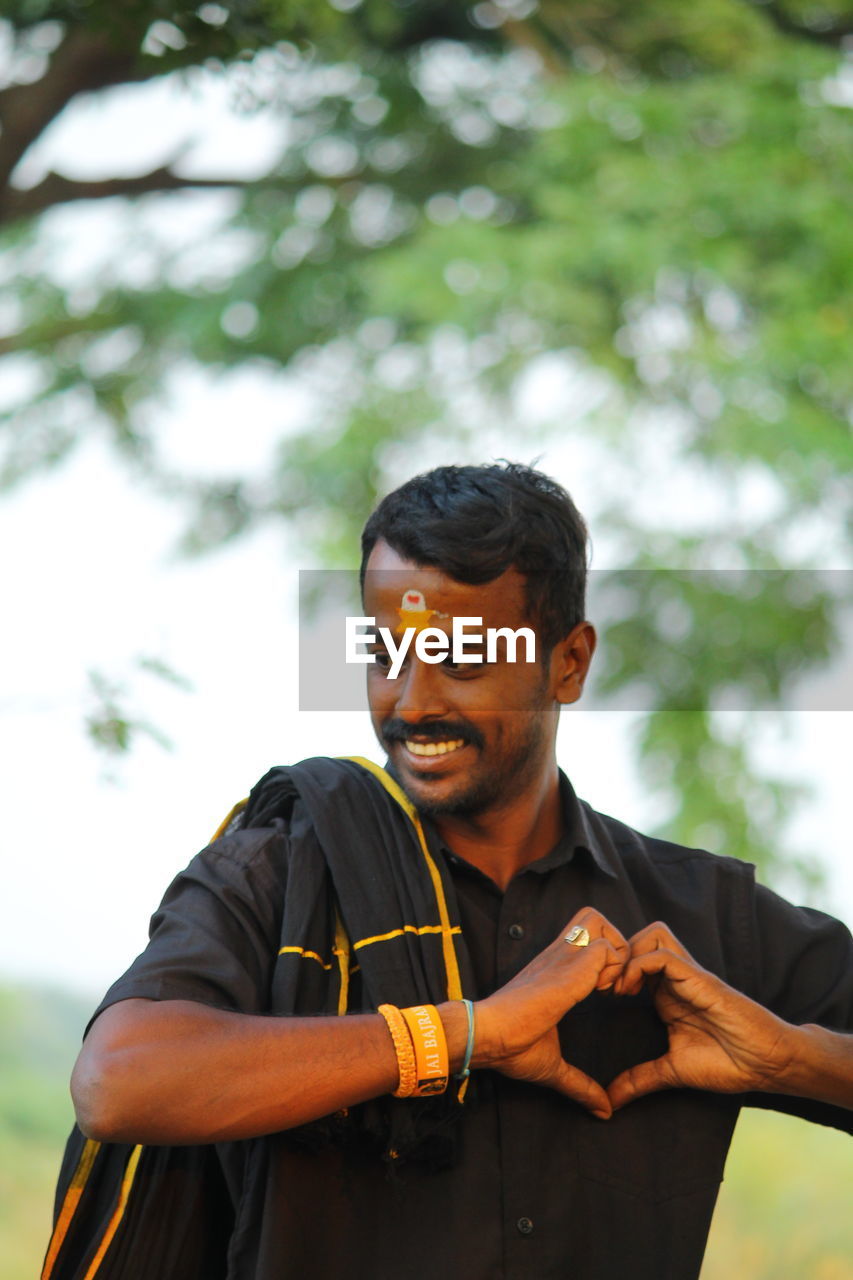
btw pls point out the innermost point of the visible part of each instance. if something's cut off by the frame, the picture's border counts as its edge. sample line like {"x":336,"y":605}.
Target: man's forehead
{"x":391,"y":581}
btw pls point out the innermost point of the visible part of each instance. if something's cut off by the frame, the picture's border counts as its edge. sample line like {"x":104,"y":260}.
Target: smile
{"x":434,"y":748}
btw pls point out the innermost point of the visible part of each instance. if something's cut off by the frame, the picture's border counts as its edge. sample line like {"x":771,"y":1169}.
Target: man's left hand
{"x":719,"y":1039}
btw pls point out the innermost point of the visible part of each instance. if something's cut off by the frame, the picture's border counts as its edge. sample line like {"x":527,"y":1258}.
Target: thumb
{"x":646,"y":1077}
{"x":575,"y":1084}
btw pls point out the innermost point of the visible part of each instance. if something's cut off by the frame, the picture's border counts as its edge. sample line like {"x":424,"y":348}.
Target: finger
{"x":651,"y":941}
{"x":598,"y":926}
{"x":654,"y":937}
{"x":611,"y":971}
{"x":587,"y":969}
{"x":646,"y":1077}
{"x":601,"y":960}
{"x":674,"y":968}
{"x":575,"y":1084}
{"x":592,"y":967}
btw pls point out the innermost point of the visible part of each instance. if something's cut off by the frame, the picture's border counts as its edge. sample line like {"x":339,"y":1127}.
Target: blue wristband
{"x":469,"y":1046}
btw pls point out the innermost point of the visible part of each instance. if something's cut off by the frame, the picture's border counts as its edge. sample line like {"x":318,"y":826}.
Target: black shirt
{"x":542,"y":1189}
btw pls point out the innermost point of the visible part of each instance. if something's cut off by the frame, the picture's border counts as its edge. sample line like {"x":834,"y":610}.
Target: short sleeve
{"x":804,"y":970}
{"x":804,"y":963}
{"x":214,"y":937}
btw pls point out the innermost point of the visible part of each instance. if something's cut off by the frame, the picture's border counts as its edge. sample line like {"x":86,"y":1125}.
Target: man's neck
{"x":503,"y":840}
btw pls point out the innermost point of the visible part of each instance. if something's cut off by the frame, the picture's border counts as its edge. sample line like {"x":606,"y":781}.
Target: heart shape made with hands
{"x":719,"y":1039}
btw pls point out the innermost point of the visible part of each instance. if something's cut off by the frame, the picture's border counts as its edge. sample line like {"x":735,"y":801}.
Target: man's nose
{"x":420,"y":692}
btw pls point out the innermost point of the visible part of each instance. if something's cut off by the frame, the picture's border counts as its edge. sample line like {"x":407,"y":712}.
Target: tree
{"x":643,"y":201}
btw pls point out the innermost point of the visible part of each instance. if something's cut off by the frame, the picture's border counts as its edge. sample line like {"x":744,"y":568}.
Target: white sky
{"x":87,"y":580}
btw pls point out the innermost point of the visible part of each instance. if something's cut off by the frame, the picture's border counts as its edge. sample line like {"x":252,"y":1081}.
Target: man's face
{"x":462,"y":738}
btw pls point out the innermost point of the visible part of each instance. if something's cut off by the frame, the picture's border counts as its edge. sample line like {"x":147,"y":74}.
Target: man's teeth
{"x":434,"y":748}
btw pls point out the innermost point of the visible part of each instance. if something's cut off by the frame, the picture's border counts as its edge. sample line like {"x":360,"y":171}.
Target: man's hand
{"x":174,"y":1071}
{"x":719,"y":1039}
{"x":517,"y":1026}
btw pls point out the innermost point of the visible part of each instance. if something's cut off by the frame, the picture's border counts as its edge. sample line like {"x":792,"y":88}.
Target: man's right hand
{"x":174,"y":1071}
{"x":516,"y":1028}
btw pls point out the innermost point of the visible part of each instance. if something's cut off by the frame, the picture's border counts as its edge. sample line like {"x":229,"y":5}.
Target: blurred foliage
{"x":653,"y":195}
{"x":40,"y":1033}
{"x":757,"y":630}
{"x":781,"y":1212}
{"x":111,"y":724}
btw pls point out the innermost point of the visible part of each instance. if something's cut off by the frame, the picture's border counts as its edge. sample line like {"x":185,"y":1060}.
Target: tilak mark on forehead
{"x":414,"y":612}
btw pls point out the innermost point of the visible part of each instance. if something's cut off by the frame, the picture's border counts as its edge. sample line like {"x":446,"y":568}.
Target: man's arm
{"x":721,"y":1040}
{"x":175,"y":1071}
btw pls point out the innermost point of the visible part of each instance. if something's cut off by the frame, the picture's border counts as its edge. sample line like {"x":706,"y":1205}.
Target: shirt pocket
{"x":662,"y":1145}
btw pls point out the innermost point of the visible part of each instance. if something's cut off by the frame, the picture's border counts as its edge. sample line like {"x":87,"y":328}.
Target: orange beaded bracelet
{"x":403,"y":1048}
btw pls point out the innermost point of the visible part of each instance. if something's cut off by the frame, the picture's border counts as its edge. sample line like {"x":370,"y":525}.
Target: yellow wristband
{"x":403,"y":1048}
{"x":432,"y":1066}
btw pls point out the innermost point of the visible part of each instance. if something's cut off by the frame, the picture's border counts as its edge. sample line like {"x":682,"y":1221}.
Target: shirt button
{"x":516,"y":931}
{"x":525,"y":1226}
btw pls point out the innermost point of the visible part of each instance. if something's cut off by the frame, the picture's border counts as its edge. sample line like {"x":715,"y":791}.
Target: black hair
{"x":474,"y":523}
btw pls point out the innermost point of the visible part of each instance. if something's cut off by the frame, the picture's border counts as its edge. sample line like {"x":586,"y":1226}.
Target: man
{"x":613,"y":997}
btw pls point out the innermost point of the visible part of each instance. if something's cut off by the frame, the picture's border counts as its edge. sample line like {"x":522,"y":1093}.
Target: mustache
{"x":395,"y":730}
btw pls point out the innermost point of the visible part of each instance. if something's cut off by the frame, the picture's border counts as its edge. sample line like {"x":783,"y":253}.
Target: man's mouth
{"x":434,"y":748}
{"x":427,"y":747}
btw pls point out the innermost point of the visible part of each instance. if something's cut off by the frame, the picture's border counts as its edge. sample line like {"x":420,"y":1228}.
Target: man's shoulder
{"x":243,"y":844}
{"x":260,"y":823}
{"x":248,"y":845}
{"x":634,"y":848}
{"x":264,"y":813}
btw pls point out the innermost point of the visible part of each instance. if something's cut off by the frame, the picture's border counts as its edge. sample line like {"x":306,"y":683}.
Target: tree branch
{"x":55,"y":189}
{"x":83,"y":62}
{"x":833,"y":34}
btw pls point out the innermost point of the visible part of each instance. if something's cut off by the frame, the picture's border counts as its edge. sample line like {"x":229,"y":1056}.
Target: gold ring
{"x":578,"y":937}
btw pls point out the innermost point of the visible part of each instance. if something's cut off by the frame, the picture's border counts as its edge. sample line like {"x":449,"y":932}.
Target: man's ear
{"x":570,"y":662}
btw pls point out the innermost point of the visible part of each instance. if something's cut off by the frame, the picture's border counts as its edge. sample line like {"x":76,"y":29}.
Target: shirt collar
{"x":579,"y":834}
{"x":585,"y":834}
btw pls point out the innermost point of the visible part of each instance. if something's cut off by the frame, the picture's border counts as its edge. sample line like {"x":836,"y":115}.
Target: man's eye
{"x":383,"y":660}
{"x":460,"y":668}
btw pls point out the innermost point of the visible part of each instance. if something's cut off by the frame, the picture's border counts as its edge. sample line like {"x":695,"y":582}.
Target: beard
{"x":502,"y":773}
